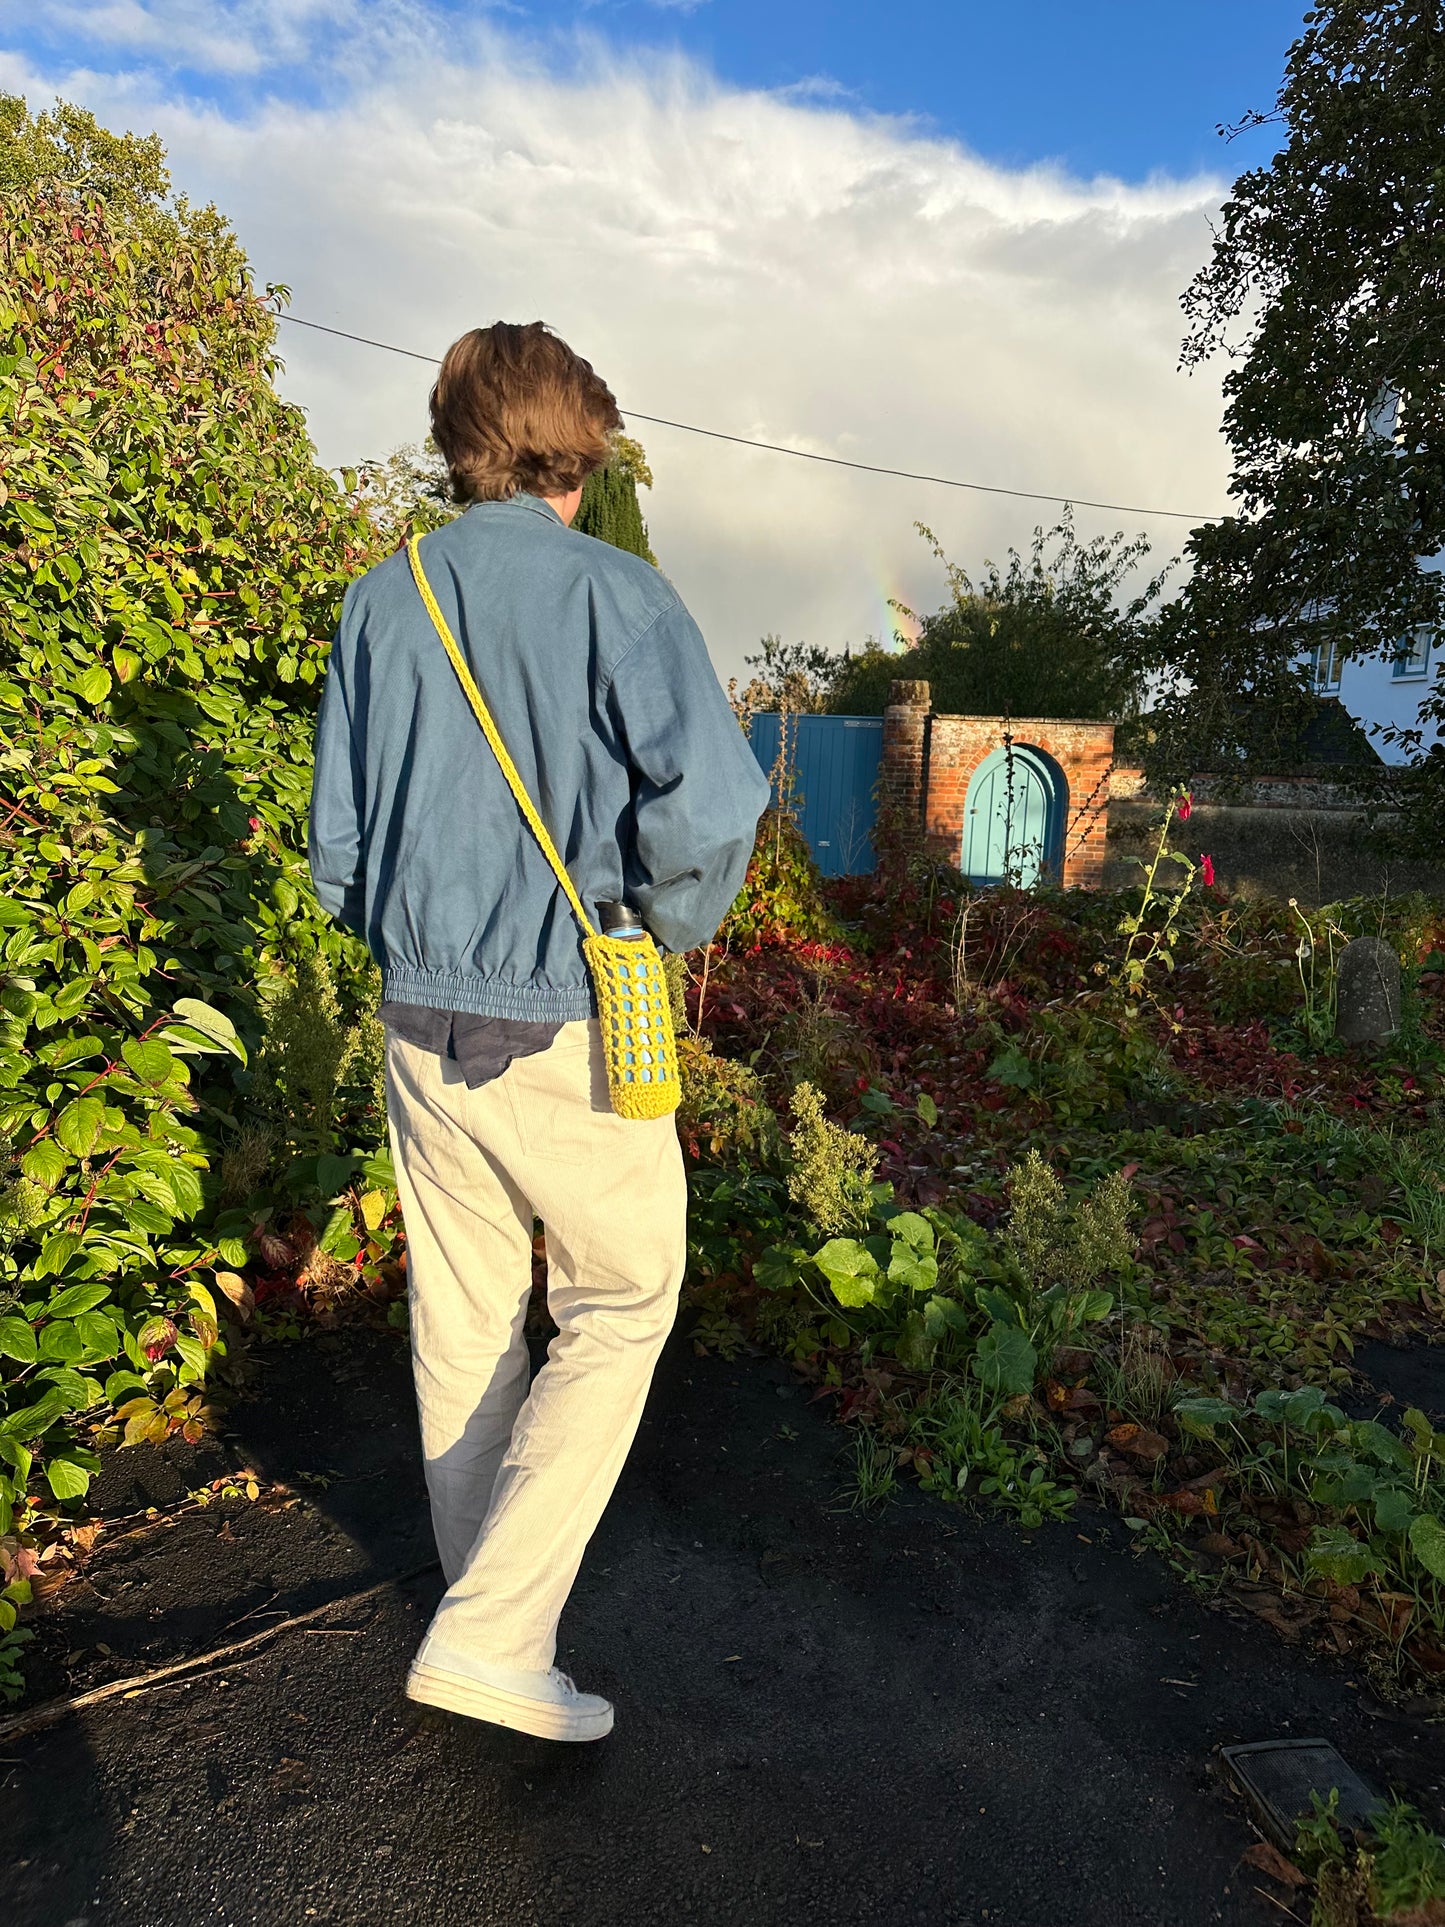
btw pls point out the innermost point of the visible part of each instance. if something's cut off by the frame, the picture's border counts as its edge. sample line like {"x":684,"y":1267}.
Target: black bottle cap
{"x":618,"y":916}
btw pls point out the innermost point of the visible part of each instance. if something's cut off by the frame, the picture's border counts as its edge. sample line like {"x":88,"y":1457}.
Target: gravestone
{"x":1367,"y":992}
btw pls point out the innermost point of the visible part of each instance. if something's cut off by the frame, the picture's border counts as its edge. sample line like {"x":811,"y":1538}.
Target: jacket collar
{"x":520,"y":504}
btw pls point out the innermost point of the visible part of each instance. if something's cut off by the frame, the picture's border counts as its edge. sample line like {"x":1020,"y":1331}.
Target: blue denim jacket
{"x":601,"y":686}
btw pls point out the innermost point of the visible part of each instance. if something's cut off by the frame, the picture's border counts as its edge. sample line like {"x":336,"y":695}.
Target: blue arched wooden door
{"x":1013,"y":825}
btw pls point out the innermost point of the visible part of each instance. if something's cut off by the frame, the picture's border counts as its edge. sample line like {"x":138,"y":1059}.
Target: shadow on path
{"x":912,"y":1717}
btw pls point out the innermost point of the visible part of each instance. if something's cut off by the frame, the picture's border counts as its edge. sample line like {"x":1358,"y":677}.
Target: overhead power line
{"x":802,"y":454}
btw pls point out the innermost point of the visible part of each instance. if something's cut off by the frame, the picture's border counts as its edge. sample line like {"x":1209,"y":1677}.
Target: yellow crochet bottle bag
{"x":632,"y":999}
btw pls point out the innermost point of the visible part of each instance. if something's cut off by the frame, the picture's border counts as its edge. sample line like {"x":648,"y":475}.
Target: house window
{"x":1412,"y":659}
{"x":1327,"y":659}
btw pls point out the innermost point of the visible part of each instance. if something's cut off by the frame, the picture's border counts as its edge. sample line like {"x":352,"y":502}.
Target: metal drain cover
{"x":1277,"y":1778}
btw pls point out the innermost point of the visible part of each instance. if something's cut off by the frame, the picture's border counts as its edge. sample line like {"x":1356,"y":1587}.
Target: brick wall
{"x":929,"y":760}
{"x":905,"y":751}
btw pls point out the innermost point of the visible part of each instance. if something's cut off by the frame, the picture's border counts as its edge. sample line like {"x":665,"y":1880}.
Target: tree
{"x":610,"y":509}
{"x":796,"y":676}
{"x":1046,"y":636}
{"x":68,"y":149}
{"x":1326,"y":288}
{"x":407,"y":492}
{"x":172,"y":561}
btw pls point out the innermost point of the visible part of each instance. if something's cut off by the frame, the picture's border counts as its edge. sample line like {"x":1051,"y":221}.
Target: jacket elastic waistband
{"x":486,"y":996}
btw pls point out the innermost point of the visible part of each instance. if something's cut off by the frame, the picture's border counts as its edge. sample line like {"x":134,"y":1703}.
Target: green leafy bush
{"x":171,"y":563}
{"x":781,"y":898}
{"x":1377,"y":1496}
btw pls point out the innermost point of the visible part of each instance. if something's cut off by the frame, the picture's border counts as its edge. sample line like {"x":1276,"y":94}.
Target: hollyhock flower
{"x":1186,"y":807}
{"x":1206,"y":869}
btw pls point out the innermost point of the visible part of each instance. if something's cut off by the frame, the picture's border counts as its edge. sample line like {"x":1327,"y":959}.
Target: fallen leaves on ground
{"x":1268,"y":1860}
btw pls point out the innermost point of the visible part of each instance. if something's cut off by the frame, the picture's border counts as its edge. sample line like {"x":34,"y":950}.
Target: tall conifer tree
{"x":610,"y":509}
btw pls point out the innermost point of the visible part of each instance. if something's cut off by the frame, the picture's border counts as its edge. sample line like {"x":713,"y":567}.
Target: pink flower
{"x":254,"y":821}
{"x":1186,"y":807}
{"x":1206,"y":870}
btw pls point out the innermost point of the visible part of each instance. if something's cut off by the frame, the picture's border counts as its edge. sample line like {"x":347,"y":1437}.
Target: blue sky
{"x":949,"y":237}
{"x":1105,"y":86}
{"x":1124,"y":87}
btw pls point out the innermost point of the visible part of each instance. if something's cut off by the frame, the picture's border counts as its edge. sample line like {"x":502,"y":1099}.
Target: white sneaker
{"x":545,"y":1704}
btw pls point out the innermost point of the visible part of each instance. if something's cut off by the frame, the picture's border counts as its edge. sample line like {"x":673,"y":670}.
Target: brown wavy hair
{"x":516,"y":412}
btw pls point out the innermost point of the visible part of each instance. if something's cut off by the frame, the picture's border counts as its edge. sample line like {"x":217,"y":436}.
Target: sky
{"x":949,"y":238}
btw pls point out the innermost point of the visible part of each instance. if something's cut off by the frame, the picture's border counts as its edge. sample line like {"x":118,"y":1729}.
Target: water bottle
{"x":620,"y":920}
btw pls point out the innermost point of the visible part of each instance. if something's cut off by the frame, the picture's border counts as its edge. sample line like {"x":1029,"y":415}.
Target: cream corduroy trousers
{"x":519,"y":1474}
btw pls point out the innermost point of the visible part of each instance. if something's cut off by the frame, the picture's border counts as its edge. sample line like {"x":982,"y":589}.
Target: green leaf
{"x":45,"y":1163}
{"x":193,"y":1352}
{"x":56,"y":1253}
{"x":1090,"y":1306}
{"x":1203,"y":1415}
{"x":916,"y":1344}
{"x":93,"y":684}
{"x":1301,"y":1405}
{"x":80,"y":1124}
{"x":927,"y":1109}
{"x":1341,"y":1483}
{"x":33,"y":1420}
{"x":338,"y":1226}
{"x":184,"y":1184}
{"x":1011,"y":1067}
{"x":149,"y":1059}
{"x":332,"y":1173}
{"x":913,"y":1229}
{"x":76,"y":1299}
{"x":17,"y":1457}
{"x":1394,"y":1510}
{"x":913,"y":1270}
{"x":999,"y":1306}
{"x":1005,"y":1360}
{"x":777,"y":1268}
{"x":1427,"y":1542}
{"x":1421,"y":1430}
{"x":943,"y":1311}
{"x":17,"y":1340}
{"x":60,"y":1343}
{"x":78,"y":1391}
{"x":1335,"y":1552}
{"x":379,"y":1171}
{"x":142,"y":1215}
{"x":1379,"y":1443}
{"x":851,"y":1271}
{"x":211,"y":1023}
{"x":67,"y":1478}
{"x":100,"y":1334}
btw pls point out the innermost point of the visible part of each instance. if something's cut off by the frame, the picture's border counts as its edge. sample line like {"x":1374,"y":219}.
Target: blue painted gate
{"x":834,"y":767}
{"x":1013,"y":826}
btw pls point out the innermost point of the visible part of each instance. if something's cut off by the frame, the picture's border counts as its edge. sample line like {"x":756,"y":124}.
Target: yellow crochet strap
{"x":489,"y":730}
{"x":632,"y":1001}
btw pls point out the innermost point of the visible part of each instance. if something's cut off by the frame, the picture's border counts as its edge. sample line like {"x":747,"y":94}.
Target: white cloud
{"x":225,"y":37}
{"x":807,"y":276}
